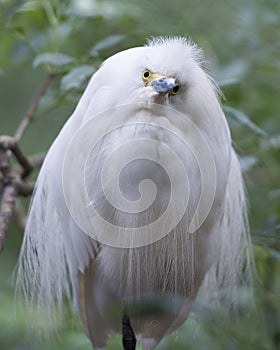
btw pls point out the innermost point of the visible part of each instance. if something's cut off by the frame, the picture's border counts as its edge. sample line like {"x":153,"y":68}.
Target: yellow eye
{"x":146,"y":75}
{"x":175,"y":90}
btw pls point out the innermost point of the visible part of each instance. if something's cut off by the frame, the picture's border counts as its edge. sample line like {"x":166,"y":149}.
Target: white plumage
{"x":154,"y":283}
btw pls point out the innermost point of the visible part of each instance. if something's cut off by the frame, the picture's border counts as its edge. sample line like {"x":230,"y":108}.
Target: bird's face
{"x":161,"y":84}
{"x":165,"y":73}
{"x":168,"y":72}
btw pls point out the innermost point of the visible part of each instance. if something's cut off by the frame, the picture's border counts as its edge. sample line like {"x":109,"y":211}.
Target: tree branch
{"x":12,"y":179}
{"x":33,"y":106}
{"x":6,"y":211}
{"x":20,"y":215}
{"x":10,"y":143}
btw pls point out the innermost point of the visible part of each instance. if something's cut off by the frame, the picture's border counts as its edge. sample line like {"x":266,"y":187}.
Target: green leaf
{"x":243,"y":119}
{"x":29,"y":6}
{"x":106,"y":43}
{"x":76,"y":77}
{"x":271,"y":143}
{"x":52,"y":58}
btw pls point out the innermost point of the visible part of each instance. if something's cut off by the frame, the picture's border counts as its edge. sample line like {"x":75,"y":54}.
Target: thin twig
{"x":33,"y":106}
{"x":25,"y":189}
{"x":36,"y":160}
{"x":9,"y":143}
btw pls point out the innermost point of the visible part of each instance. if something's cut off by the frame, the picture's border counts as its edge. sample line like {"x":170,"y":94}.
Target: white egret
{"x":140,"y":199}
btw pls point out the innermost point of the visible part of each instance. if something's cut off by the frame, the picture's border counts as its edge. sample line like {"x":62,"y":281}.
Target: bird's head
{"x":166,"y":71}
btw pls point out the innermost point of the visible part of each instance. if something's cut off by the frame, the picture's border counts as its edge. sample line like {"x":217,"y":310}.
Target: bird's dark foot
{"x":128,"y":336}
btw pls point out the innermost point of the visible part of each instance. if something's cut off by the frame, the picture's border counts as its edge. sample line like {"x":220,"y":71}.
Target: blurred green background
{"x":241,"y":40}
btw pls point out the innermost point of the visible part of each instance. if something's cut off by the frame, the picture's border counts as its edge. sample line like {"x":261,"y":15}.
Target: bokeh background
{"x":241,"y":41}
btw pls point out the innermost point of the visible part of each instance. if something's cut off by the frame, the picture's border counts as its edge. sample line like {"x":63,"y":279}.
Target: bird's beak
{"x":161,"y":83}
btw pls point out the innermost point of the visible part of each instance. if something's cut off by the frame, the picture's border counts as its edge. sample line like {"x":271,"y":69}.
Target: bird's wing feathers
{"x":235,"y":258}
{"x":53,"y":244}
